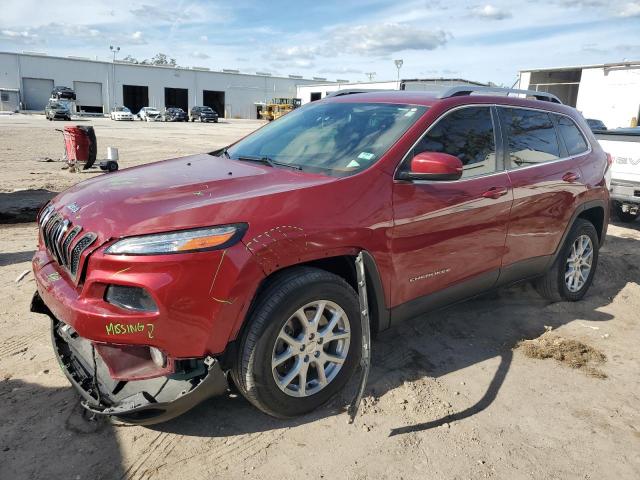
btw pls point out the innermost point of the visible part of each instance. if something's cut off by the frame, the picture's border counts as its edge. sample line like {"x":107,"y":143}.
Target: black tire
{"x":552,"y":285}
{"x":625,"y":217}
{"x":287,"y":292}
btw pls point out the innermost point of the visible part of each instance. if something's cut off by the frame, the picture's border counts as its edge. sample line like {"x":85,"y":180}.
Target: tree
{"x":157,"y":59}
{"x":160,"y":59}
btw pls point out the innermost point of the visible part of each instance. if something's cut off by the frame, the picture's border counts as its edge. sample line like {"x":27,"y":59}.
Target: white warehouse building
{"x":609,"y":92}
{"x":101,"y":85}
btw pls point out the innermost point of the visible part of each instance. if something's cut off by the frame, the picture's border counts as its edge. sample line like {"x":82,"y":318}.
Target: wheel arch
{"x":342,"y":265}
{"x":596,"y":215}
{"x":594,"y":211}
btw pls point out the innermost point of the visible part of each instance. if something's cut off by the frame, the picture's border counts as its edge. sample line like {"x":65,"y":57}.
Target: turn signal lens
{"x":206,"y":242}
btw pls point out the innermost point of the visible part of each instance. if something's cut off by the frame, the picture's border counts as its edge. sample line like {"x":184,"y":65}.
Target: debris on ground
{"x":22,"y":275}
{"x":567,"y":351}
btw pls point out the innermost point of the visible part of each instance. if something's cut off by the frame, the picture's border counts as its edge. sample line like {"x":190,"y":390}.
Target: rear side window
{"x":531,"y":136}
{"x":467,"y":134}
{"x":570,"y":133}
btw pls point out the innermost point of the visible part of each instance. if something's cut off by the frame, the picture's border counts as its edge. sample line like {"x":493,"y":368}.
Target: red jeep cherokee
{"x":165,"y":282}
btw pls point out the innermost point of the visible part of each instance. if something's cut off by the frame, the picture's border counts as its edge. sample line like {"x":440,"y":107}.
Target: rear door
{"x":546,"y":181}
{"x":451,"y":233}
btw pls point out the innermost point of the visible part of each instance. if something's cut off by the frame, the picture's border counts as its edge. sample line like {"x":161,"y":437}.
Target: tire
{"x":553,"y":285}
{"x":625,"y":217}
{"x":288,"y":292}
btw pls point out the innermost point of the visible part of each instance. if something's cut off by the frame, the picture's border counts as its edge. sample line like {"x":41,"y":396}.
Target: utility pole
{"x":398,"y":63}
{"x":370,"y":75}
{"x":115,"y":51}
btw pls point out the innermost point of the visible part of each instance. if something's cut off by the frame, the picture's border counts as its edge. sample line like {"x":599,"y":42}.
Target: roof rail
{"x":351,"y":91}
{"x":469,"y":89}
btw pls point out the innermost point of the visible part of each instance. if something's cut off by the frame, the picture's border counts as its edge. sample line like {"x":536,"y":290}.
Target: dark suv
{"x":174,"y":114}
{"x":254,"y":264}
{"x":63,"y":93}
{"x":203,"y":114}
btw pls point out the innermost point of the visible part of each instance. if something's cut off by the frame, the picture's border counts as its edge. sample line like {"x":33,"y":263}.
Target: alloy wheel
{"x":311,"y":348}
{"x":578,"y":265}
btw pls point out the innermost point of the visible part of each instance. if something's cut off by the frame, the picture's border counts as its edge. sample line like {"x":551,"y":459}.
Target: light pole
{"x":398,"y":63}
{"x":114,"y":50}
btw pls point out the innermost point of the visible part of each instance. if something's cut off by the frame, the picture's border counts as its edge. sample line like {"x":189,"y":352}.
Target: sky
{"x":335,"y":39}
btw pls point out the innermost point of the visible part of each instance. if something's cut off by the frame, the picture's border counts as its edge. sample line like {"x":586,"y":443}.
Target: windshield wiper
{"x":268,"y":161}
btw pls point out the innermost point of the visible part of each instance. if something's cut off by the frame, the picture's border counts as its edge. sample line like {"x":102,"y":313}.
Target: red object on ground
{"x":76,"y":144}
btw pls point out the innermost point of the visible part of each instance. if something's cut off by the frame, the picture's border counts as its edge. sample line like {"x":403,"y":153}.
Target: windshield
{"x":337,"y":139}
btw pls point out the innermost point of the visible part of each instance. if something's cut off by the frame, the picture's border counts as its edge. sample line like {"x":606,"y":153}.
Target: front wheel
{"x":572,"y":272}
{"x":301,"y":344}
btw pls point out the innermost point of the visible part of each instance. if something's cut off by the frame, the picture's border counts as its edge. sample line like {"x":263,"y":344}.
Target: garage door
{"x":36,"y":92}
{"x":88,"y":96}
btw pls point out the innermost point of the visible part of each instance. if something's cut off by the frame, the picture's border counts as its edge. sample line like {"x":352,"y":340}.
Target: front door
{"x":449,"y":236}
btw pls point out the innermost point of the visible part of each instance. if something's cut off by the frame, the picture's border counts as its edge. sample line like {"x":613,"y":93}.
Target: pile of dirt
{"x":567,"y":351}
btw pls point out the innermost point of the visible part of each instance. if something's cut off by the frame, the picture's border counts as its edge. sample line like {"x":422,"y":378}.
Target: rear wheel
{"x":302,"y":343}
{"x":572,"y":272}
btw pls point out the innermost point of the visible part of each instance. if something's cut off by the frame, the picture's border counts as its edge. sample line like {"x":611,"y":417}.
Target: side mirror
{"x":433,"y":166}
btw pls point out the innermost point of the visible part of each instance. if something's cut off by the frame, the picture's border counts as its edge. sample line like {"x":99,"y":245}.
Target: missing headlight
{"x":130,"y":298}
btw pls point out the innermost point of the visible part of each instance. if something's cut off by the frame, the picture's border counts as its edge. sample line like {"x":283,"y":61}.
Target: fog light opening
{"x":130,"y":298}
{"x":158,"y":357}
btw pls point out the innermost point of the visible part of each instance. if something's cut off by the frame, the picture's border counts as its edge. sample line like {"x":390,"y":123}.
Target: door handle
{"x":495,"y":192}
{"x":571,"y":177}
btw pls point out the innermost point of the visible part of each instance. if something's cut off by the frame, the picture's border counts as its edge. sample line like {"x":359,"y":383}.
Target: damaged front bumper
{"x":141,"y":402}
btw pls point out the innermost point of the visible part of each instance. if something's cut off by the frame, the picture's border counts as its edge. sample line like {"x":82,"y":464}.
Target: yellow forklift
{"x":279,"y":107}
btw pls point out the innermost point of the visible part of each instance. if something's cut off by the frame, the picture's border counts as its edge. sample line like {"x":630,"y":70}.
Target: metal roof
{"x":581,"y":67}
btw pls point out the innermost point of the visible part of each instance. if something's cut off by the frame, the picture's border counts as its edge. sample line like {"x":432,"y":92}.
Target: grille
{"x":58,"y":236}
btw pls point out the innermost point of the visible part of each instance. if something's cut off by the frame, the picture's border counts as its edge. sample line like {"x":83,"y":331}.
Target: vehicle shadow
{"x":635,"y":225}
{"x":23,"y":205}
{"x":45,"y":435}
{"x":442,"y":342}
{"x":9,"y":258}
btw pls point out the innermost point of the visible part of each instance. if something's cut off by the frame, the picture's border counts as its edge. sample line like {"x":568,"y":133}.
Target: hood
{"x":189,"y":192}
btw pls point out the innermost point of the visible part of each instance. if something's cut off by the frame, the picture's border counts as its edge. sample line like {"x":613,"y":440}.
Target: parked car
{"x":63,"y":93}
{"x":238,"y":266}
{"x":174,"y":114}
{"x":203,"y":114}
{"x":121,"y":113}
{"x":596,"y":125}
{"x":56,"y":109}
{"x":149,"y":114}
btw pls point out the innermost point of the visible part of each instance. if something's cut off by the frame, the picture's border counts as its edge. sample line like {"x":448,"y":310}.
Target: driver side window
{"x":468,"y":134}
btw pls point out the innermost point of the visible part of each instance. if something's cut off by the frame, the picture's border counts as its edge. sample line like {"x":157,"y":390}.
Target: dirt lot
{"x":451,"y":395}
